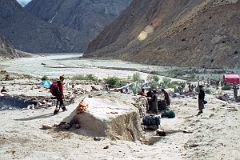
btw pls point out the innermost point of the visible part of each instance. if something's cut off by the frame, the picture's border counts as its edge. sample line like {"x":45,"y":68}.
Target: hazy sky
{"x":23,"y":2}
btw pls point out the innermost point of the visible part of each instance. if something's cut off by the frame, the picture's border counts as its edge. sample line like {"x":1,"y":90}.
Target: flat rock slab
{"x":108,"y":117}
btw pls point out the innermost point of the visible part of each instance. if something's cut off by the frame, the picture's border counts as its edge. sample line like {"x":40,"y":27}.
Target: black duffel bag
{"x":151,"y":120}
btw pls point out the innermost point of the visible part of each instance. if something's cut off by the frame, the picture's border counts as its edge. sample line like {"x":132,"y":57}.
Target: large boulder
{"x":107,"y":117}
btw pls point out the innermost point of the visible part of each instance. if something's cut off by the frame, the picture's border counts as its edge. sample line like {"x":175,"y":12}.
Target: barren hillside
{"x":7,"y":50}
{"x":201,"y":33}
{"x":86,"y":17}
{"x":30,"y":34}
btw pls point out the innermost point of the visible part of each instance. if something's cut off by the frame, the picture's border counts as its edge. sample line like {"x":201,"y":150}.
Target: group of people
{"x":154,"y":104}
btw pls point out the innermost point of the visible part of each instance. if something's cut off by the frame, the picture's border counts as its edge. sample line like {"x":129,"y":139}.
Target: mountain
{"x":30,"y":34}
{"x":200,"y":33}
{"x":87,"y":17}
{"x":8,"y":51}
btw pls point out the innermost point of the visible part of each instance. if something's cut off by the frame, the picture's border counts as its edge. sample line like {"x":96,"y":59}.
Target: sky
{"x":23,"y":2}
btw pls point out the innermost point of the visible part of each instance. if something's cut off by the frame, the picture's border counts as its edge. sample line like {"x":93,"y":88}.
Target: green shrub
{"x":115,"y":82}
{"x":89,"y":77}
{"x":153,"y":78}
{"x":226,"y":87}
{"x":78,"y":77}
{"x":44,"y":78}
{"x":134,"y":89}
{"x":136,"y":77}
{"x":154,"y":85}
{"x":166,"y":83}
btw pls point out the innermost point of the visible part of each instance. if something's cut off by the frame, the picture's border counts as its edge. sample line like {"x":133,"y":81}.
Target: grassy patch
{"x":226,"y":87}
{"x":167,"y":83}
{"x":89,"y":77}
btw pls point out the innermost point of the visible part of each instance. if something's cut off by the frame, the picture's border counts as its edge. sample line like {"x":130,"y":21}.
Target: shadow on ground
{"x":36,"y":117}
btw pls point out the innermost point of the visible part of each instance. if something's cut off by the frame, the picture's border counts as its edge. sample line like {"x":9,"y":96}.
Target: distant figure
{"x":235,"y":93}
{"x":166,"y":97}
{"x":94,"y":88}
{"x":60,"y":96}
{"x":201,"y":97}
{"x":3,"y":91}
{"x":142,"y":92}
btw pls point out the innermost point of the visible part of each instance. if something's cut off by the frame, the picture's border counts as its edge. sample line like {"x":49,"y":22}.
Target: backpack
{"x":150,"y":120}
{"x":168,"y":114}
{"x":55,"y":89}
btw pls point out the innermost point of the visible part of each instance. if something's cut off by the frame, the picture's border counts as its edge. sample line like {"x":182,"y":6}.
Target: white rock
{"x":107,"y":117}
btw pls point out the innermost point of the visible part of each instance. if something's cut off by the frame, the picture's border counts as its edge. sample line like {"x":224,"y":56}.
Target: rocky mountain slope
{"x":201,"y":33}
{"x":8,"y":51}
{"x":87,"y":17}
{"x":28,"y":33}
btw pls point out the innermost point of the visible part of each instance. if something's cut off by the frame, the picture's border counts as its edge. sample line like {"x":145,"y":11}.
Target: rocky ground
{"x":211,"y":135}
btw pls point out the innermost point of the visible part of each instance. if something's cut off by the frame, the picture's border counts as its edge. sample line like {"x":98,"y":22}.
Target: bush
{"x":153,"y":78}
{"x":115,"y":82}
{"x":44,"y":78}
{"x":167,"y":83}
{"x":136,"y":77}
{"x":154,"y":85}
{"x":89,"y":77}
{"x":226,"y":87}
{"x":134,"y":89}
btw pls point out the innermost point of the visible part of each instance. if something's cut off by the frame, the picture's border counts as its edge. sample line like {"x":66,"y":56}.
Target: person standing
{"x":154,"y":102}
{"x":60,"y":96}
{"x":166,"y":97}
{"x":201,"y":97}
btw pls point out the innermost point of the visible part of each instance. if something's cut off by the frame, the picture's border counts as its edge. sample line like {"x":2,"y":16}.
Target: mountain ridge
{"x":86,"y":17}
{"x":28,"y":33}
{"x":195,"y":33}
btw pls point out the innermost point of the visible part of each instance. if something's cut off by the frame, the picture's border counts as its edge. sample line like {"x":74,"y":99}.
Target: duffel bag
{"x":150,"y":120}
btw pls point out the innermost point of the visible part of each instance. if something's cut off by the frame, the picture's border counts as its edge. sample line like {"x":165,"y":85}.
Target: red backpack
{"x":55,"y":89}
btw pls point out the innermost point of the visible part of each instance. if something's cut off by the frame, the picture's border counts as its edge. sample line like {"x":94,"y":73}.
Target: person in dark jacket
{"x":166,"y":97}
{"x":60,"y":97}
{"x":154,"y":102}
{"x":201,"y":97}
